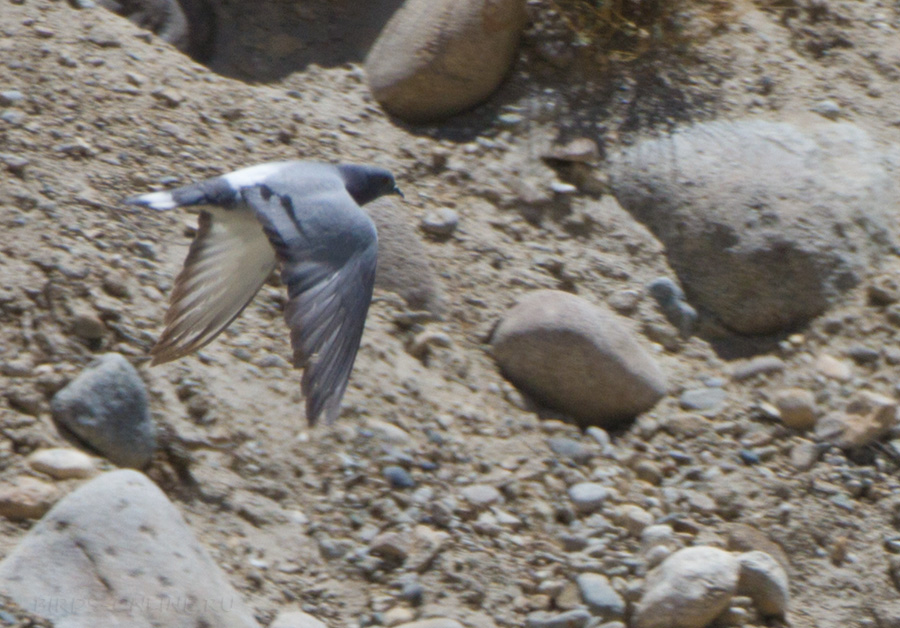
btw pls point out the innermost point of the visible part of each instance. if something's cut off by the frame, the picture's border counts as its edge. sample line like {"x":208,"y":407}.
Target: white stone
{"x":588,"y":497}
{"x":688,"y":589}
{"x":62,"y":463}
{"x":120,"y":543}
{"x":296,"y":619}
{"x":765,"y":581}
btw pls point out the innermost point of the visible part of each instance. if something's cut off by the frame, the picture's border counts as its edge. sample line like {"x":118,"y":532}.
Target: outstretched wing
{"x":328,"y":249}
{"x":227,"y":264}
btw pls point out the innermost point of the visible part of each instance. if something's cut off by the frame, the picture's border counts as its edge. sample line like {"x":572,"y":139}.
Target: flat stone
{"x":88,"y":326}
{"x":834,"y":368}
{"x":577,"y":618}
{"x":388,"y":432}
{"x":633,"y":518}
{"x":440,"y":222}
{"x":481,"y":495}
{"x":433,"y":622}
{"x":760,"y":365}
{"x":571,"y":449}
{"x":588,"y":497}
{"x":704,"y":400}
{"x":62,"y":463}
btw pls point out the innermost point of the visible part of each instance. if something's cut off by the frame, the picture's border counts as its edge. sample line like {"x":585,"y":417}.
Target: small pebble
{"x":833,"y":368}
{"x":571,"y":449}
{"x":11,"y":97}
{"x":563,"y":188}
{"x":588,"y":497}
{"x":481,"y":495}
{"x":391,"y":546}
{"x":26,"y":498}
{"x":707,"y":401}
{"x":796,"y":407}
{"x":827,"y":109}
{"x":599,"y":596}
{"x":671,"y":300}
{"x":398,"y":615}
{"x":633,"y":518}
{"x":398,"y":477}
{"x":88,"y":326}
{"x":387,"y":432}
{"x":16,"y":164}
{"x":761,"y":365}
{"x":433,"y":622}
{"x":748,"y":456}
{"x":440,"y":222}
{"x":12,"y":116}
{"x":577,"y":618}
{"x":804,"y":454}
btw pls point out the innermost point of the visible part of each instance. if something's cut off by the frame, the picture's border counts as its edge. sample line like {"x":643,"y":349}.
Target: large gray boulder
{"x":766,"y":223}
{"x":577,"y":357}
{"x":116,"y":552}
{"x":106,"y":408}
{"x":435,"y":58}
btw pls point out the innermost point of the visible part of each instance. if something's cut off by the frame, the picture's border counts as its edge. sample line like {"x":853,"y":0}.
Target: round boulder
{"x":765,"y":223}
{"x":577,"y":357}
{"x":688,"y":589}
{"x":436,"y":58}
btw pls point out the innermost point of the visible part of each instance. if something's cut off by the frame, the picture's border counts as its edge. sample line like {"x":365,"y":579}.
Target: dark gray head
{"x":366,"y":183}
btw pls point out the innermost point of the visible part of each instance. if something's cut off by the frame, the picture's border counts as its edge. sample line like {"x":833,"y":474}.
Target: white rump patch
{"x":157,"y":200}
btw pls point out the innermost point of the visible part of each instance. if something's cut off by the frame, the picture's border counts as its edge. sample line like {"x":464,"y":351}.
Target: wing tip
{"x":316,"y":407}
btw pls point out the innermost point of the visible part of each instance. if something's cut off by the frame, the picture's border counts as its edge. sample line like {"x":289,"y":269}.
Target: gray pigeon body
{"x":303,"y":216}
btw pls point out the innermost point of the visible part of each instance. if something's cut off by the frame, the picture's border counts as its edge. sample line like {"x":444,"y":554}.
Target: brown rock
{"x":435,"y":58}
{"x":797,"y":408}
{"x":746,"y":538}
{"x":577,"y":357}
{"x":868,"y":417}
{"x":27,"y":498}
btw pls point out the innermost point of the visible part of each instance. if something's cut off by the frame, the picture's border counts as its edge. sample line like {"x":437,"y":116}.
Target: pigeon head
{"x":366,"y":183}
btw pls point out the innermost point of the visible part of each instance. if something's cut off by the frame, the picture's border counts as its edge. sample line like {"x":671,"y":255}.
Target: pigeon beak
{"x":397,"y":191}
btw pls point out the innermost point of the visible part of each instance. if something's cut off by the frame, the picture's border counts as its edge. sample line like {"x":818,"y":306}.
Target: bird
{"x":303,"y":216}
